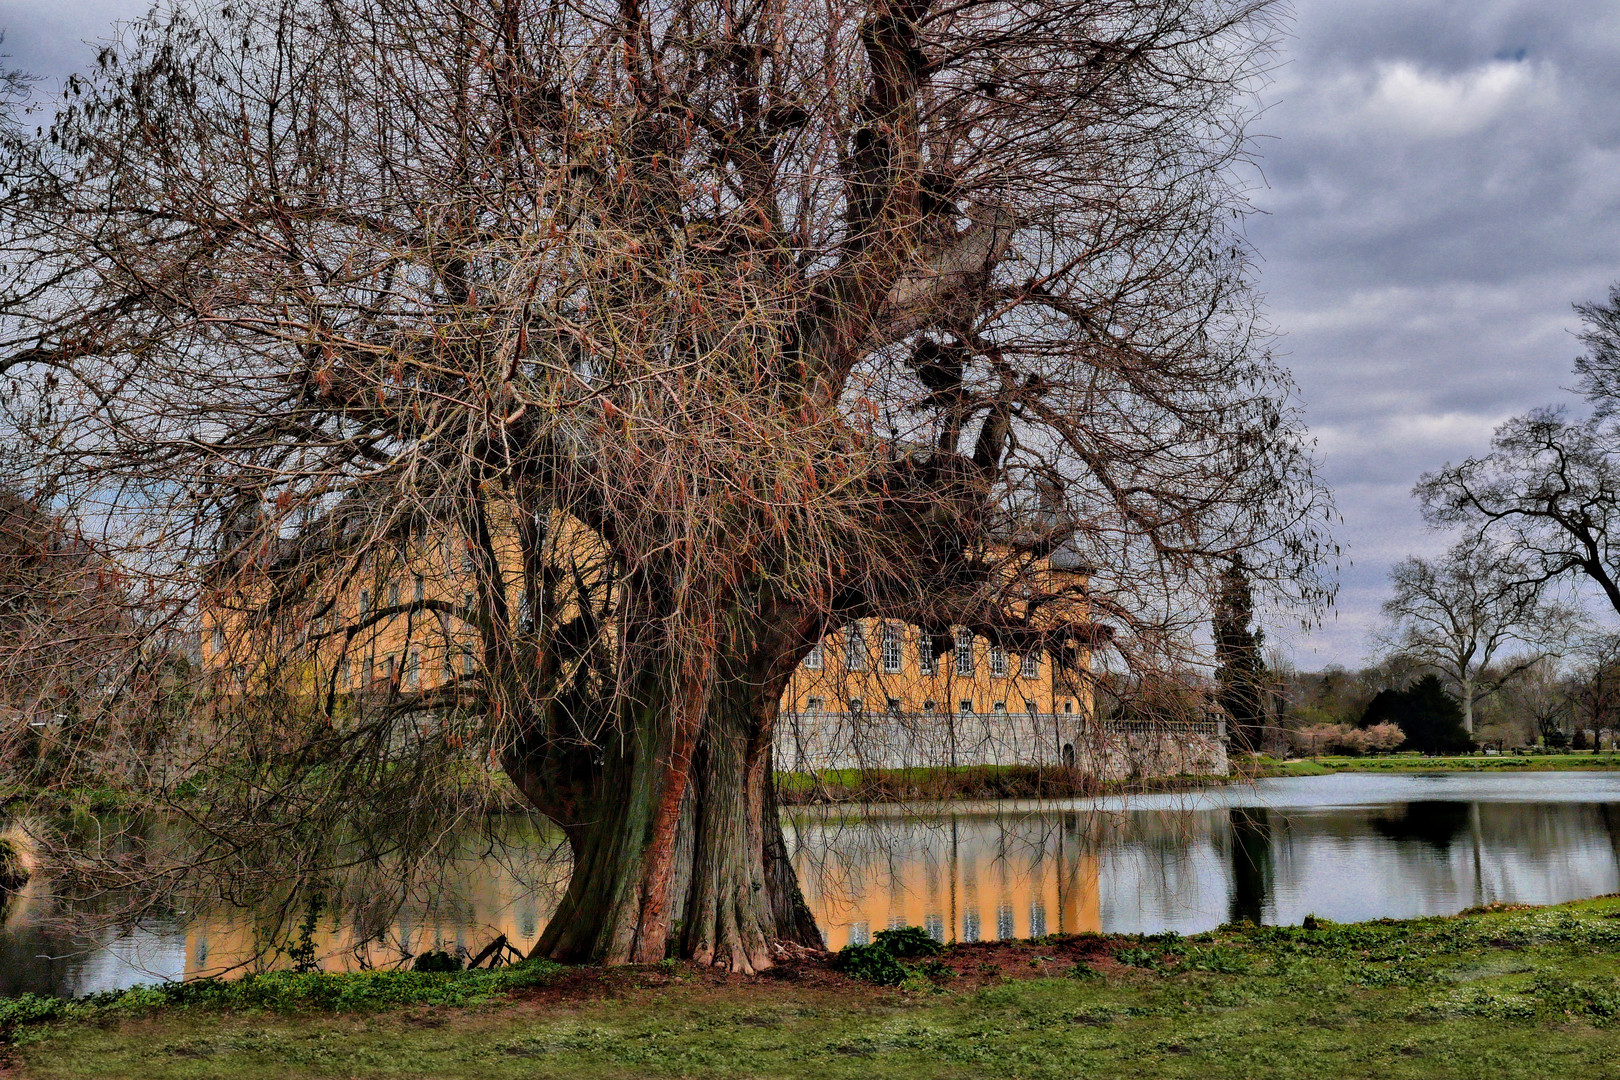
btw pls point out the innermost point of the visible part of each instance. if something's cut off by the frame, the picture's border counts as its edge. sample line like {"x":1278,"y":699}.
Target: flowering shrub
{"x":1343,"y":739}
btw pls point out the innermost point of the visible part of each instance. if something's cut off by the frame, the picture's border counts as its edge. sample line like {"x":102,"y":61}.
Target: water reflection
{"x":1345,"y":848}
{"x":1253,"y":871}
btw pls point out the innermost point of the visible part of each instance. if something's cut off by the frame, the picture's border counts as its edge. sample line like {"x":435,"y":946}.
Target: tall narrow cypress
{"x":1239,"y":672}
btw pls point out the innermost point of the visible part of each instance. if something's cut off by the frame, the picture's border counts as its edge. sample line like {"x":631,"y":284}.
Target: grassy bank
{"x":966,"y":782}
{"x":1524,"y":993}
{"x":1327,"y":765}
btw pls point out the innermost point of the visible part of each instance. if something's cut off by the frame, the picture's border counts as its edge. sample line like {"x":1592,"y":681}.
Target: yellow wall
{"x":422,"y":650}
{"x":908,"y":679}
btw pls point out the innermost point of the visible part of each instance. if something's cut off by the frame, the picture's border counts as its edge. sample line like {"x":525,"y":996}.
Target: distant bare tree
{"x":66,"y":632}
{"x":802,"y":315}
{"x":1541,"y":701}
{"x":1595,"y":700}
{"x":1462,"y":613}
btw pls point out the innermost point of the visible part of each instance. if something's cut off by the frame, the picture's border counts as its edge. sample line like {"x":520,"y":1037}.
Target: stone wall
{"x":1108,"y":750}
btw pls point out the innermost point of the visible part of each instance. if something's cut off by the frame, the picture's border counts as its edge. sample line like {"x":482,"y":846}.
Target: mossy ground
{"x":1525,"y":993}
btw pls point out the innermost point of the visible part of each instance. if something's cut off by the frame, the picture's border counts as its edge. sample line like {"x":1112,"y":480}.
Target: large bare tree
{"x":803,"y":315}
{"x":1548,"y":492}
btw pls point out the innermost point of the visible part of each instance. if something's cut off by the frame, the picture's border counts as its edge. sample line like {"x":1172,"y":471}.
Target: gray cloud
{"x":1443,"y":184}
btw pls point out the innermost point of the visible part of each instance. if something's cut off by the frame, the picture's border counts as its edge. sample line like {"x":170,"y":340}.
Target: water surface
{"x":1345,"y":847}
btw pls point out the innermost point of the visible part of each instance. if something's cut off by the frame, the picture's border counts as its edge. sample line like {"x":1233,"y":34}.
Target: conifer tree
{"x":1239,"y":672}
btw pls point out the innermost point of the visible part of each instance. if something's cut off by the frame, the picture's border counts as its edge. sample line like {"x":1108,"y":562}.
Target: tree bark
{"x":743,"y":892}
{"x":721,"y":863}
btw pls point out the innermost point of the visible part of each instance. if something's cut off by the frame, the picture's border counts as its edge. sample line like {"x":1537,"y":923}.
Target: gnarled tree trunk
{"x":716,"y":885}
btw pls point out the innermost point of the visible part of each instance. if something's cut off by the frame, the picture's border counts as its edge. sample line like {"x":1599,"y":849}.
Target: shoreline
{"x":990,"y":782}
{"x":1509,"y":991}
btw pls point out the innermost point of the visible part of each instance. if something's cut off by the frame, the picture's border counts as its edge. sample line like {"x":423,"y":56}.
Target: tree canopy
{"x":802,"y":315}
{"x":1431,"y":718}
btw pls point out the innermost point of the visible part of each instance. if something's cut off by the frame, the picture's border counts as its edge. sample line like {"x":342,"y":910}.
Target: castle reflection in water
{"x":1341,"y":847}
{"x":964,"y":877}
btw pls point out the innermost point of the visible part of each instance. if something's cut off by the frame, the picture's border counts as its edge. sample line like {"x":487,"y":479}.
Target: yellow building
{"x":403,"y":620}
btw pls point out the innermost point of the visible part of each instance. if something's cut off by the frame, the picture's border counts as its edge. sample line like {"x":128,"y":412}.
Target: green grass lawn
{"x":1323,"y":766}
{"x":1528,"y":993}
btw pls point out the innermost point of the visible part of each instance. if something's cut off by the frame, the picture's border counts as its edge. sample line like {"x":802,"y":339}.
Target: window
{"x":815,"y":704}
{"x":1068,"y":706}
{"x":935,"y":925}
{"x":219,"y":639}
{"x":468,"y":667}
{"x":1037,"y":919}
{"x":964,"y":652}
{"x":970,"y":926}
{"x":1029,"y":706}
{"x":467,"y":603}
{"x":855,"y":647}
{"x":894,"y":706}
{"x":413,"y":667}
{"x":891,"y":648}
{"x":860,"y":933}
{"x":964,"y":706}
{"x":1032,"y":665}
{"x":998,"y":662}
{"x":812,"y":659}
{"x":929,"y":706}
{"x":999,"y":707}
{"x":1004,"y":922}
{"x":925,"y":654}
{"x":421,"y":588}
{"x":345,"y":679}
{"x":388,"y":670}
{"x":393,"y":594}
{"x":856,"y":705}
{"x":365,"y":602}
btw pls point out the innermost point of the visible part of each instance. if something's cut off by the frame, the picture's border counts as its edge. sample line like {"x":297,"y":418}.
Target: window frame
{"x":964,"y":653}
{"x":892,"y":648}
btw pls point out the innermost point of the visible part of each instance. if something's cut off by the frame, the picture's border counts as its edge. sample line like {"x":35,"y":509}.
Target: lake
{"x":1347,"y":847}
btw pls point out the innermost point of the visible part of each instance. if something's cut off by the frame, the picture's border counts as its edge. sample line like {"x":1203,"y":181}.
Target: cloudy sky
{"x":1441,"y":183}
